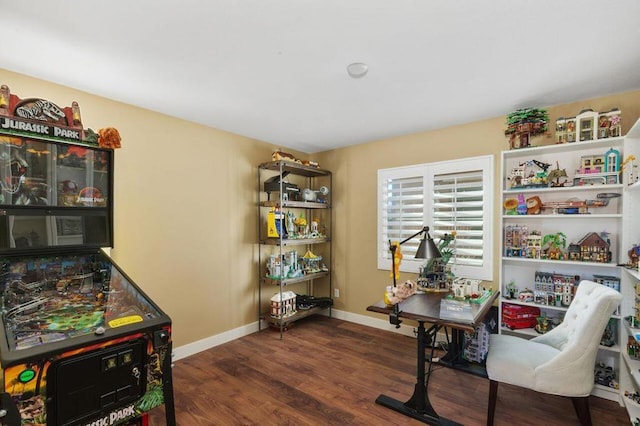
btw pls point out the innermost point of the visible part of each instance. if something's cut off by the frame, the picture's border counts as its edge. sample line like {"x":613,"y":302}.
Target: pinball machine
{"x":80,"y":342}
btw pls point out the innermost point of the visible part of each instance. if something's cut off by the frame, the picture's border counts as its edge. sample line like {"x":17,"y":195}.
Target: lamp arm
{"x":423,"y":230}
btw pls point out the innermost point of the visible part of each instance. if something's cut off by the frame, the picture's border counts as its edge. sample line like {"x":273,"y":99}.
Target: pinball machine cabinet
{"x":80,"y":342}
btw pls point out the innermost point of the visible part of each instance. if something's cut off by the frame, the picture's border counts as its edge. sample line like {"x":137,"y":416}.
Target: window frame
{"x":427,"y":171}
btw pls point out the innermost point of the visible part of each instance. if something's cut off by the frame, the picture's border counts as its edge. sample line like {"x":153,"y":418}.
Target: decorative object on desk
{"x":525,"y":123}
{"x":395,"y":295}
{"x":436,"y":274}
{"x":427,"y":249}
{"x":465,"y":288}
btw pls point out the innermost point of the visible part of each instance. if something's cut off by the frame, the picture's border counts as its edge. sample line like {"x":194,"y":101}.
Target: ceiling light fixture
{"x":357,"y":69}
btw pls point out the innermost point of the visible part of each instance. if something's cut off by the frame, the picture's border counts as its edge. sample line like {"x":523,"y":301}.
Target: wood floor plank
{"x":329,"y":372}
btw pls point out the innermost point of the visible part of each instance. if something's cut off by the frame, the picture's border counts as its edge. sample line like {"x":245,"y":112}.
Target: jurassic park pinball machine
{"x":80,"y":342}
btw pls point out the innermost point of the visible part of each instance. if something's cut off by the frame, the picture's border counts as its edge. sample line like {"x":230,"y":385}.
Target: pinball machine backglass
{"x":80,"y":342}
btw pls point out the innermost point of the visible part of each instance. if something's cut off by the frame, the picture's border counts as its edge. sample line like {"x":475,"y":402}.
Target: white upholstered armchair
{"x":560,"y":362}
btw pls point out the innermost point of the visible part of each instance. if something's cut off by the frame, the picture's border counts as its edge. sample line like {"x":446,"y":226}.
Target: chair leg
{"x":581,"y":405}
{"x":493,"y":394}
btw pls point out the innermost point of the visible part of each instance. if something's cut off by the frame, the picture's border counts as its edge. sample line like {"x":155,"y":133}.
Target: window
{"x":447,"y":196}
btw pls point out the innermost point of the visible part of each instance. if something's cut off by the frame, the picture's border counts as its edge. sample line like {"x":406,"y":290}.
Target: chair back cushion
{"x":567,"y":366}
{"x":578,"y":339}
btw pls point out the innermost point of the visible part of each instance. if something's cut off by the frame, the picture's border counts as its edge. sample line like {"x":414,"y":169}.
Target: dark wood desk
{"x":425,"y":308}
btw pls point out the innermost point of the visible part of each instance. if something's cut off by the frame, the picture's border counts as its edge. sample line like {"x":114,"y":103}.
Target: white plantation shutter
{"x":401,"y":198}
{"x":458,"y":207}
{"x":456,"y":196}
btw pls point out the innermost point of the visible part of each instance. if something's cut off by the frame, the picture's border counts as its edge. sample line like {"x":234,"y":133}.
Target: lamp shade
{"x":427,"y":248}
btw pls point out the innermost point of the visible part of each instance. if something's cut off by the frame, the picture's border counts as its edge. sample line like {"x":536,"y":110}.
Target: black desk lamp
{"x":426,"y":250}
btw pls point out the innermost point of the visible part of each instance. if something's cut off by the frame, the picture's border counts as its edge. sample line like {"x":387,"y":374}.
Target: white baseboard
{"x":218,"y":339}
{"x":380,"y":323}
{"x":213,"y":341}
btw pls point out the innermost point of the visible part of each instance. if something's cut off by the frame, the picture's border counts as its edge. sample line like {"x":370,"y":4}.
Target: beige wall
{"x":185,"y":203}
{"x":185,"y":209}
{"x":355,"y":195}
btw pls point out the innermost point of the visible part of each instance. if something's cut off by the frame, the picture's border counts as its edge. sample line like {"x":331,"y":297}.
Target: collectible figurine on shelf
{"x":589,"y":125}
{"x":605,"y":376}
{"x":311,"y":262}
{"x":534,"y":245}
{"x":594,"y":248}
{"x":524,"y":124}
{"x":525,"y":176}
{"x":302,"y":226}
{"x":511,"y":289}
{"x":555,"y":176}
{"x":631,"y":169}
{"x":522,"y":205}
{"x":510,"y":205}
{"x":515,"y":240}
{"x":634,"y":254}
{"x":553,"y":246}
{"x":542,"y":325}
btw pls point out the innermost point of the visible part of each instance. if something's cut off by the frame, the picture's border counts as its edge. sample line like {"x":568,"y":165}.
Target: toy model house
{"x":283,"y":306}
{"x":592,"y":164}
{"x":589,"y":125}
{"x":515,"y":240}
{"x":587,"y":120}
{"x":534,"y":245}
{"x":594,"y":248}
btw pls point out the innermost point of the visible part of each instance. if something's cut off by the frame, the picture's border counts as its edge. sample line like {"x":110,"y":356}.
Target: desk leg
{"x":418,"y":406}
{"x":454,"y":351}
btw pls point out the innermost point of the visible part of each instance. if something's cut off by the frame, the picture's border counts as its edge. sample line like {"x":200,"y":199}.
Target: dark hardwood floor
{"x":329,"y":372}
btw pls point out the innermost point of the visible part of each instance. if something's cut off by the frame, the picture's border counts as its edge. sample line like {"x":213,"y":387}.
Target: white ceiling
{"x":275,"y":70}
